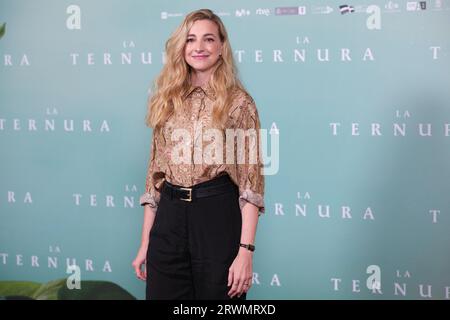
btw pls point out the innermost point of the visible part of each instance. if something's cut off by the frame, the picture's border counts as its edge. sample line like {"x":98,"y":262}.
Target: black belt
{"x":217,"y":186}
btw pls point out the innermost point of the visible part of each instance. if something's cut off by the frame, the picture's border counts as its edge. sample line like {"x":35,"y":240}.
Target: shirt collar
{"x":206,"y":88}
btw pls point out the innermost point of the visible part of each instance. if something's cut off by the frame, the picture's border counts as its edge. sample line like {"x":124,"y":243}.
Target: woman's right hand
{"x":139,"y":264}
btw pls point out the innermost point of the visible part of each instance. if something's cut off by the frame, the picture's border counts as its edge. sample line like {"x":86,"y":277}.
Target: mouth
{"x":200,"y":57}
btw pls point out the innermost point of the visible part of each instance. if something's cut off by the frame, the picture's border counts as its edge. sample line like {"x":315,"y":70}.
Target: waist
{"x":216,"y":186}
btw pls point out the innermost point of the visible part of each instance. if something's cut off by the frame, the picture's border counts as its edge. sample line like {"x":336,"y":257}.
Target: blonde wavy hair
{"x":174,"y":80}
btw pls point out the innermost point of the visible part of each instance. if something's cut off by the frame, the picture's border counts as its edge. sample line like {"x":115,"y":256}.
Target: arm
{"x":139,"y":261}
{"x":251,"y":202}
{"x":241,"y":271}
{"x":249,"y":223}
{"x":154,"y":177}
{"x":149,"y":218}
{"x":149,"y":200}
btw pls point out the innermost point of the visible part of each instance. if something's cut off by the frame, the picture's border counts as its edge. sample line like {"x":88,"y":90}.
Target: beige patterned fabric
{"x":193,"y":121}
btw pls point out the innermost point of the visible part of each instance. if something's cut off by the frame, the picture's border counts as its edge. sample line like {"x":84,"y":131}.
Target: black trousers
{"x":192,"y":246}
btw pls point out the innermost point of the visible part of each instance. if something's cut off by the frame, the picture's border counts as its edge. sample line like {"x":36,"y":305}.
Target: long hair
{"x":174,"y":80}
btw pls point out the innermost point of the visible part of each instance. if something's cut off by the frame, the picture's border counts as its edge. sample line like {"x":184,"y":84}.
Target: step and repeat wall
{"x":355,"y":97}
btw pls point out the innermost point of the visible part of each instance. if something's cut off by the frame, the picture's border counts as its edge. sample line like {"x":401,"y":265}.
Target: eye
{"x":189,"y":40}
{"x":210,"y":40}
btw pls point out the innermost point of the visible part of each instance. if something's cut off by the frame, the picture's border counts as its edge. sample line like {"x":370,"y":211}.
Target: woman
{"x":203,"y":194}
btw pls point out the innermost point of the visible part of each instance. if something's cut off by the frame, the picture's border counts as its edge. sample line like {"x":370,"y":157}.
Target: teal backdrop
{"x":358,"y":98}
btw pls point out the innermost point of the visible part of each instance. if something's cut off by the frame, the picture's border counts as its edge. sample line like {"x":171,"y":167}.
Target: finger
{"x":236,"y":285}
{"x":144,"y":272}
{"x":240,"y":288}
{"x":230,"y":281}
{"x":136,"y":270}
{"x":139,"y":275}
{"x":246,"y":285}
{"x":249,"y":283}
{"x":233,"y":289}
{"x":230,"y":277}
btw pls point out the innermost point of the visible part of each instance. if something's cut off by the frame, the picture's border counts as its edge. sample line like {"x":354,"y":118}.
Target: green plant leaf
{"x":95,"y":290}
{"x":57,"y":290}
{"x":18,"y":288}
{"x":2,"y":30}
{"x":49,"y":290}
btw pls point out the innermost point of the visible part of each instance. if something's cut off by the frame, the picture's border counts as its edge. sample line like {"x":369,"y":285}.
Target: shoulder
{"x":243,"y":112}
{"x":242,"y":96}
{"x":242,"y":102}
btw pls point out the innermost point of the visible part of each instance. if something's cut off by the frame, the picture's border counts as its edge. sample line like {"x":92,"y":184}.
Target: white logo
{"x":263,"y":12}
{"x":392,"y":6}
{"x":416,"y":5}
{"x":74,"y":280}
{"x":322,"y":10}
{"x":374,"y":20}
{"x":397,"y":129}
{"x":53,"y":261}
{"x":242,"y":13}
{"x":223,"y":14}
{"x":374,"y":280}
{"x":73,"y":22}
{"x":9,"y":60}
{"x":304,"y":208}
{"x":191,"y":150}
{"x":166,"y":15}
{"x":107,"y":200}
{"x":434,"y":213}
{"x":412,"y":6}
{"x":400,"y":287}
{"x":435,"y":51}
{"x":25,"y":198}
{"x":52,"y":121}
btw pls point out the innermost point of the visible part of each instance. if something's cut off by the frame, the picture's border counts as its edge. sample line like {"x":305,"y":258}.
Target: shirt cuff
{"x":254,"y":198}
{"x":148,"y":198}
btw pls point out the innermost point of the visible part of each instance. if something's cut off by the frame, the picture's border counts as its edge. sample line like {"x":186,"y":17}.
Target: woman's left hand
{"x":240,"y":273}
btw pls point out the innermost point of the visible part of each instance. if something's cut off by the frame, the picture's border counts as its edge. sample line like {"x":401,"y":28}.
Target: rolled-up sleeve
{"x":249,"y":174}
{"x":154,"y":178}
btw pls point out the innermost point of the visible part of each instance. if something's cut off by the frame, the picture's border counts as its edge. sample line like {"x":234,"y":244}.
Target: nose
{"x":199,"y":47}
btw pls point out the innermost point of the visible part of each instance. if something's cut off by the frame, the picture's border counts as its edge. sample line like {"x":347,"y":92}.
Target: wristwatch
{"x":248,"y":246}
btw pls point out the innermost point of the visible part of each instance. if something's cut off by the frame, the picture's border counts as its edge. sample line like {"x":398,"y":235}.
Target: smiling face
{"x":203,"y":46}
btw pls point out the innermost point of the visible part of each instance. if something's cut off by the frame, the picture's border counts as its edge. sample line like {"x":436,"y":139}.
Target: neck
{"x":200,"y":78}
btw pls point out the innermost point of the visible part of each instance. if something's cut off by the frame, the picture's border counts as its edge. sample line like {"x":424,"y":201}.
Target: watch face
{"x":248,"y":246}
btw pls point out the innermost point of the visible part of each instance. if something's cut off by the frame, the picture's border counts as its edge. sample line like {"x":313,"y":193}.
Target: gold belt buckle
{"x":189,"y":199}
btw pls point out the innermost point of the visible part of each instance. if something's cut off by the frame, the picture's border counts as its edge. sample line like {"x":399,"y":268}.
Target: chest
{"x":193,"y":118}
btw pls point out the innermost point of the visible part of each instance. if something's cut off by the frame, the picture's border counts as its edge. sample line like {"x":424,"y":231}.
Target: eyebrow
{"x":205,"y":35}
